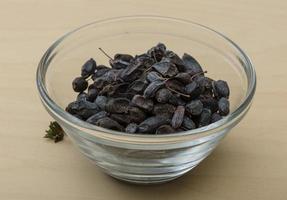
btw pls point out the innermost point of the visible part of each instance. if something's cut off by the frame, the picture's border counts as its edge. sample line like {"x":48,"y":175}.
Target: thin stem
{"x":195,"y":75}
{"x":105,"y":53}
{"x":186,"y":95}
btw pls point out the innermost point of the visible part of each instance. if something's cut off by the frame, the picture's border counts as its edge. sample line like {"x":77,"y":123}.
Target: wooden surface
{"x":251,"y":163}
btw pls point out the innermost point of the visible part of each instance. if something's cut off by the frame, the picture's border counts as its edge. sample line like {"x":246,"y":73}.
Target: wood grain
{"x":249,"y":164}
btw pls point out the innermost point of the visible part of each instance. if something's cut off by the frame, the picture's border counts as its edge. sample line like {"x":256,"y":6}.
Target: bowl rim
{"x":94,"y":130}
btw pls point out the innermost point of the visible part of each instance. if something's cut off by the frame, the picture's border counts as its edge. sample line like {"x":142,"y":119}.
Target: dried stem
{"x":195,"y":75}
{"x":105,"y":53}
{"x":186,"y":95}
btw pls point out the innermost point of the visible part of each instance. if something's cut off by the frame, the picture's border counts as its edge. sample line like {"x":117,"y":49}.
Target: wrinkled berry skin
{"x":205,"y":117}
{"x":215,"y":117}
{"x":194,"y":107}
{"x":82,"y":108}
{"x":79,"y":84}
{"x":163,"y":95}
{"x":141,"y":102}
{"x":220,"y":89}
{"x":178,"y":116}
{"x":164,"y":129}
{"x":188,"y":124}
{"x":152,"y":123}
{"x":108,"y":123}
{"x":88,"y":68}
{"x":223,"y":106}
{"x":131,"y":128}
{"x":94,"y":118}
{"x":191,"y":65}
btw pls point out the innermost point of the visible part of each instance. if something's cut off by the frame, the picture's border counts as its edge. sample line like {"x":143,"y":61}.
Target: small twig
{"x":195,"y":75}
{"x":186,"y":95}
{"x":105,"y":53}
{"x":147,"y":69}
{"x":154,"y":56}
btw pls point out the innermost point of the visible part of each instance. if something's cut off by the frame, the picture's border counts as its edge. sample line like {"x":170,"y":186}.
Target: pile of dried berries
{"x":155,"y":93}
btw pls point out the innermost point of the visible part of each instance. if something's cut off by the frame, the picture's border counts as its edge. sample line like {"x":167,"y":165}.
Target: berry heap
{"x":154,"y":93}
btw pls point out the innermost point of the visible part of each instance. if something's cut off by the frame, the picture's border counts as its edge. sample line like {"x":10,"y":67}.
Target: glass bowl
{"x":143,"y":158}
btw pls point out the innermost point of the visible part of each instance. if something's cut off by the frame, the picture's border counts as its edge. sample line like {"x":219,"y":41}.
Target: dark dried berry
{"x":131,"y":128}
{"x":163,"y":109}
{"x":113,"y":75}
{"x":157,"y":52}
{"x":194,"y":107}
{"x":100,"y":71}
{"x":100,"y":82}
{"x":166,"y":68}
{"x":144,"y":60}
{"x":152,"y":123}
{"x":88,"y":68}
{"x":210,"y":103}
{"x":220,"y":89}
{"x":163,"y":95}
{"x":79,"y":84}
{"x":154,"y":76}
{"x":136,"y":114}
{"x":111,"y":90}
{"x":177,"y":118}
{"x":215,"y":117}
{"x":193,"y":89}
{"x":117,"y":105}
{"x":205,"y":117}
{"x":176,"y":100}
{"x":223,"y":106}
{"x":188,"y":124}
{"x":82,"y":96}
{"x":119,"y":64}
{"x":152,"y":88}
{"x":94,"y":118}
{"x":205,"y":83}
{"x":175,"y":59}
{"x":131,"y":72}
{"x":108,"y":123}
{"x":101,"y":101}
{"x":183,"y":77}
{"x":137,"y":87}
{"x":141,"y":102}
{"x":83,"y":108}
{"x":122,"y":119}
{"x":124,"y":57}
{"x":164,"y":129}
{"x":92,"y":94}
{"x":191,"y":65}
{"x":174,"y":85}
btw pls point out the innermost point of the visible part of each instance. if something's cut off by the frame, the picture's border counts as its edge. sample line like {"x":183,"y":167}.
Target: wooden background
{"x":251,"y":163}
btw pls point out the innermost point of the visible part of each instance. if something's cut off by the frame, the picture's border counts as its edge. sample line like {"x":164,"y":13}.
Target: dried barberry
{"x":220,"y":89}
{"x":164,"y":129}
{"x":205,"y":117}
{"x":152,"y":123}
{"x":215,"y":117}
{"x":191,"y":65}
{"x":117,"y":105}
{"x":223,"y":106}
{"x":178,"y":116}
{"x":131,"y":128}
{"x":194,"y":107}
{"x":108,"y":123}
{"x":88,"y":68}
{"x":79,"y":84}
{"x":141,"y":102}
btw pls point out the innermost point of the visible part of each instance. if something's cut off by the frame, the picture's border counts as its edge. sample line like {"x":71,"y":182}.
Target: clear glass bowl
{"x":144,"y":158}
